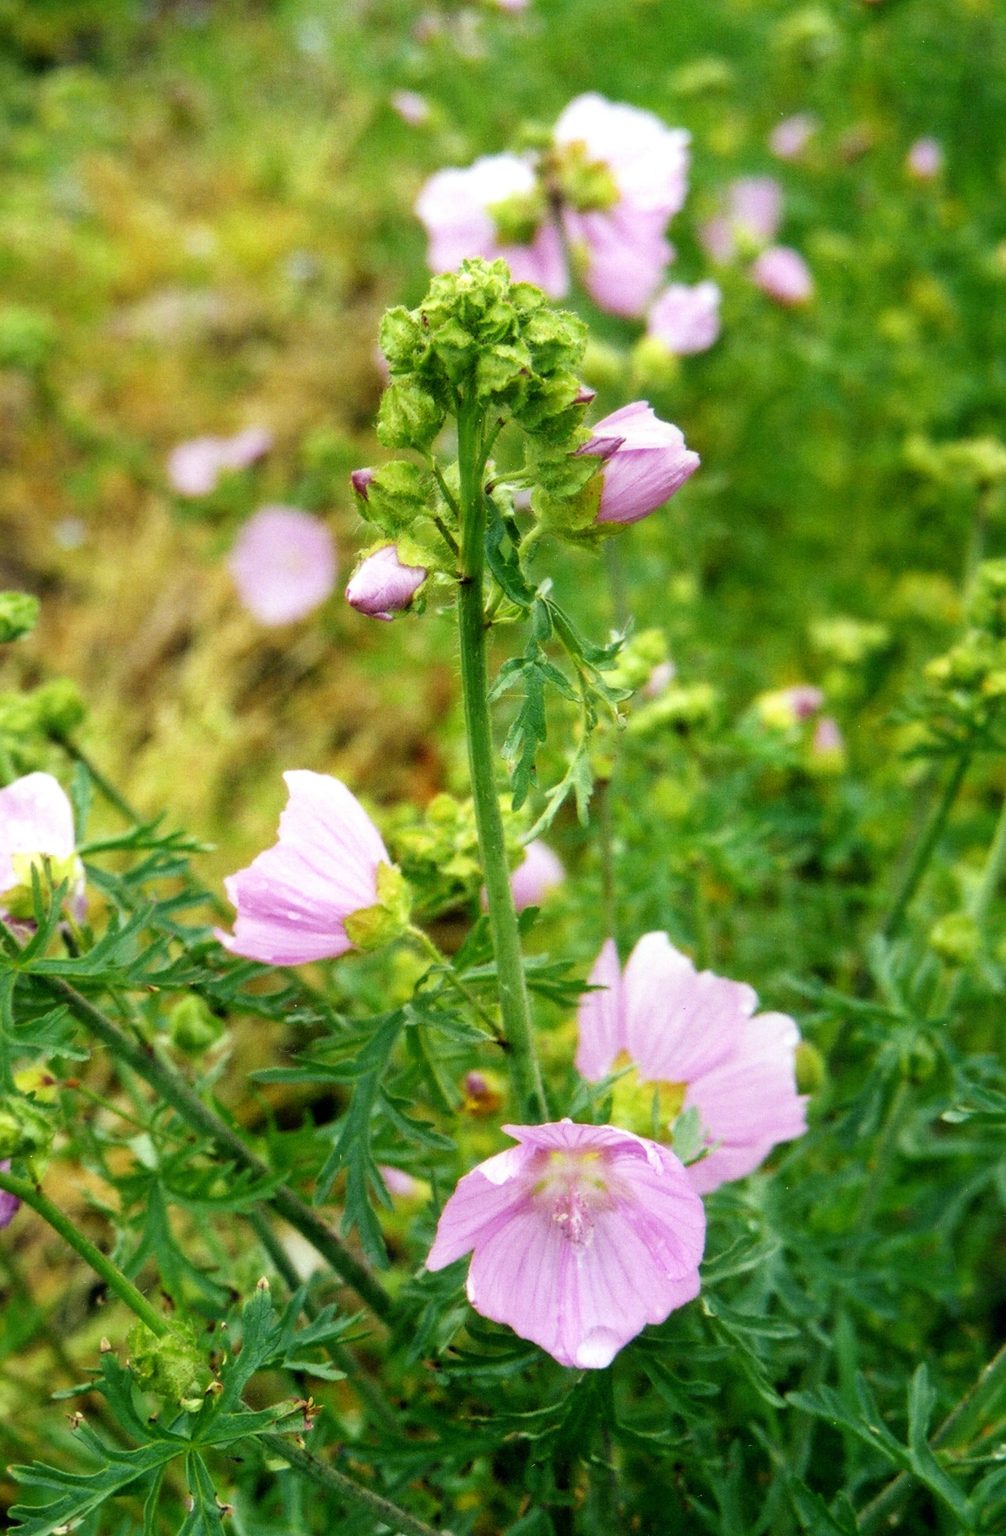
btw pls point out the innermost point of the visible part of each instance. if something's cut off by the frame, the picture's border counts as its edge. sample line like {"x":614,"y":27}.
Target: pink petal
{"x":679,"y":1023}
{"x":35,"y":817}
{"x":601,"y":1017}
{"x":283,"y":564}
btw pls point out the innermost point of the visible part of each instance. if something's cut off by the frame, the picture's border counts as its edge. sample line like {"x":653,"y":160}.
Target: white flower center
{"x":572,"y":1189}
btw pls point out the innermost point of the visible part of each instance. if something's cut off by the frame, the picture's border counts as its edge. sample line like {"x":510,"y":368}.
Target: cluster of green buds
{"x":18,"y":615}
{"x":26,"y":1126}
{"x":975,"y":462}
{"x":970,"y":678}
{"x":438,"y":850}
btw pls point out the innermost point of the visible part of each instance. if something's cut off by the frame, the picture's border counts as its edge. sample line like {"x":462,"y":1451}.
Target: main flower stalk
{"x":514,"y":1006}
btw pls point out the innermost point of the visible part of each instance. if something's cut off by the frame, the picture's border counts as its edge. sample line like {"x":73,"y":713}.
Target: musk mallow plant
{"x":611,"y":1287}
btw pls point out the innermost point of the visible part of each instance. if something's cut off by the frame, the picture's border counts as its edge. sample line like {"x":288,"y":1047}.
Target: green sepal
{"x":26,"y":1127}
{"x":373,"y":927}
{"x":398,"y":495}
{"x":171,"y":1367}
{"x":409,"y":416}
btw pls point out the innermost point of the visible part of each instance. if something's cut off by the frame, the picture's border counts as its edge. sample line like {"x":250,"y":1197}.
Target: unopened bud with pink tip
{"x":645,"y":460}
{"x":381,"y":585}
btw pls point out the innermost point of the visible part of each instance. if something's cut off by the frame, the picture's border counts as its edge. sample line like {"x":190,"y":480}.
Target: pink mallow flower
{"x":381,"y":585}
{"x":686,"y":319}
{"x":623,"y":245}
{"x":751,"y":219}
{"x":539,"y":872}
{"x":582,"y":1234}
{"x":194,"y":468}
{"x":36,"y":830}
{"x":411,"y":107}
{"x":294,"y":899}
{"x":9,"y":1204}
{"x":783,"y":274}
{"x":696,"y":1031}
{"x":924,"y":160}
{"x":645,"y":462}
{"x":789,"y":139}
{"x":457,"y":208}
{"x":283,"y":564}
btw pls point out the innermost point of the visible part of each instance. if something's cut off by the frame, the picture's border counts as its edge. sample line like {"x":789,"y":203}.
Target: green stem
{"x":995,"y":862}
{"x":106,"y":787}
{"x":441,"y":961}
{"x":514,"y":1006}
{"x":926,"y":844}
{"x":338,"y":1483}
{"x":175,"y":1091}
{"x":30,"y":1194}
{"x":964,"y":1421}
{"x":606,"y":839}
{"x":302,"y":1461}
{"x":366,"y":1390}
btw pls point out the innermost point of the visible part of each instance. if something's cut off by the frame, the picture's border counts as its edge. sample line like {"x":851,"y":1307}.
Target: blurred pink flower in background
{"x":789,"y":138}
{"x":36,"y":826}
{"x":293,"y":900}
{"x":456,"y":206}
{"x":645,"y":461}
{"x":411,"y":107}
{"x":381,"y":585}
{"x":283,"y":564}
{"x":783,"y":274}
{"x":659,"y":680}
{"x":686,"y":319}
{"x":623,"y":245}
{"x":695,"y":1030}
{"x":539,"y":872}
{"x":9,"y":1204}
{"x":194,"y":468}
{"x":751,"y":219}
{"x":924,"y":160}
{"x":582,"y":1234}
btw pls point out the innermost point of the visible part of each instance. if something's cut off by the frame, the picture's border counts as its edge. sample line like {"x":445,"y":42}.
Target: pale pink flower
{"x":194,"y":468}
{"x":751,"y":219}
{"x":783,"y":274}
{"x":827,"y":736}
{"x":924,"y":160}
{"x":9,"y":1204}
{"x":283,"y":564}
{"x":645,"y":462}
{"x":401,"y":1185}
{"x":659,"y":680}
{"x":293,"y":900}
{"x":582,"y":1234}
{"x":698,"y":1031}
{"x":686,"y":319}
{"x":36,"y":827}
{"x":624,"y":246}
{"x":381,"y":585}
{"x":789,"y":139}
{"x":456,"y":206}
{"x":512,"y":6}
{"x":539,"y":872}
{"x":411,"y":107}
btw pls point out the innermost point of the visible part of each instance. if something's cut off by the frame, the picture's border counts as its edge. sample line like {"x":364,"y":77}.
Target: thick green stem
{"x":926,"y":845}
{"x":175,"y":1091}
{"x":344,"y":1487}
{"x":959,"y":1427}
{"x":514,"y":1007}
{"x":116,"y":1281}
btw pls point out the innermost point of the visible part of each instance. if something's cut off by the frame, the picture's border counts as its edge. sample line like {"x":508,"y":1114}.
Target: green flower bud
{"x":395,"y":496}
{"x":956,"y":938}
{"x":192,"y":1027}
{"x":811,"y":1068}
{"x":409,"y":417}
{"x":18,"y":615}
{"x":849,"y":641}
{"x":518,"y":218}
{"x":171,"y":1367}
{"x":18,"y":715}
{"x":26,"y":1127}
{"x":680,"y":707}
{"x":987,"y":603}
{"x":653,"y":365}
{"x":59,"y":706}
